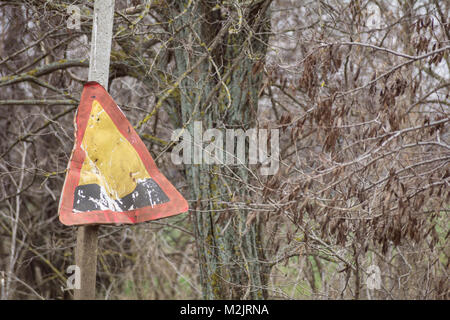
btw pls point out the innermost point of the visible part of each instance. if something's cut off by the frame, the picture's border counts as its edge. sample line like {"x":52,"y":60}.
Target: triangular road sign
{"x":111,"y":176}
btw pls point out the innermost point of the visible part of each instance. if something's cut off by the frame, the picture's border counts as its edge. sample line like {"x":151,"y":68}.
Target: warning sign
{"x":111,"y":176}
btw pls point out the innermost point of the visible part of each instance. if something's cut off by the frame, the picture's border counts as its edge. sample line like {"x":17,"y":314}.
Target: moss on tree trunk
{"x":228,"y":247}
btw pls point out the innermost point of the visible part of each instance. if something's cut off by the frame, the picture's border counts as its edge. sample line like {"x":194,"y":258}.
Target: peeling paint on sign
{"x":111,"y":176}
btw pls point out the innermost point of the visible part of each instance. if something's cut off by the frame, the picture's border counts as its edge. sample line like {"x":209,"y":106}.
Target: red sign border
{"x":177,"y":204}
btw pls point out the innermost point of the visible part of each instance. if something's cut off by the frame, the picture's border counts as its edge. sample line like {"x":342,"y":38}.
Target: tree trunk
{"x":228,"y":243}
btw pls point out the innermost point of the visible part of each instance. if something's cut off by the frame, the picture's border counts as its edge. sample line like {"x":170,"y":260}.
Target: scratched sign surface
{"x":111,"y":176}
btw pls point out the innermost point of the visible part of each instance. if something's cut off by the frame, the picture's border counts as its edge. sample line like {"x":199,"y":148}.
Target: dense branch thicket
{"x":358,"y":89}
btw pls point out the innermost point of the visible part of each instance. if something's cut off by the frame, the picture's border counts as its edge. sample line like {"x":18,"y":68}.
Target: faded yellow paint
{"x":111,"y":161}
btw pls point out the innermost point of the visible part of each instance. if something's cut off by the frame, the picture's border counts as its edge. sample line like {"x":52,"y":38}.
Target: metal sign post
{"x":86,"y":249}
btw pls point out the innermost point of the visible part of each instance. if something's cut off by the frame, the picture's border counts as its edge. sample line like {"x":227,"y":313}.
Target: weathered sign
{"x":112,"y":177}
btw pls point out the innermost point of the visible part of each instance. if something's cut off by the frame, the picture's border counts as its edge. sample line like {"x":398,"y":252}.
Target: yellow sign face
{"x":111,"y":161}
